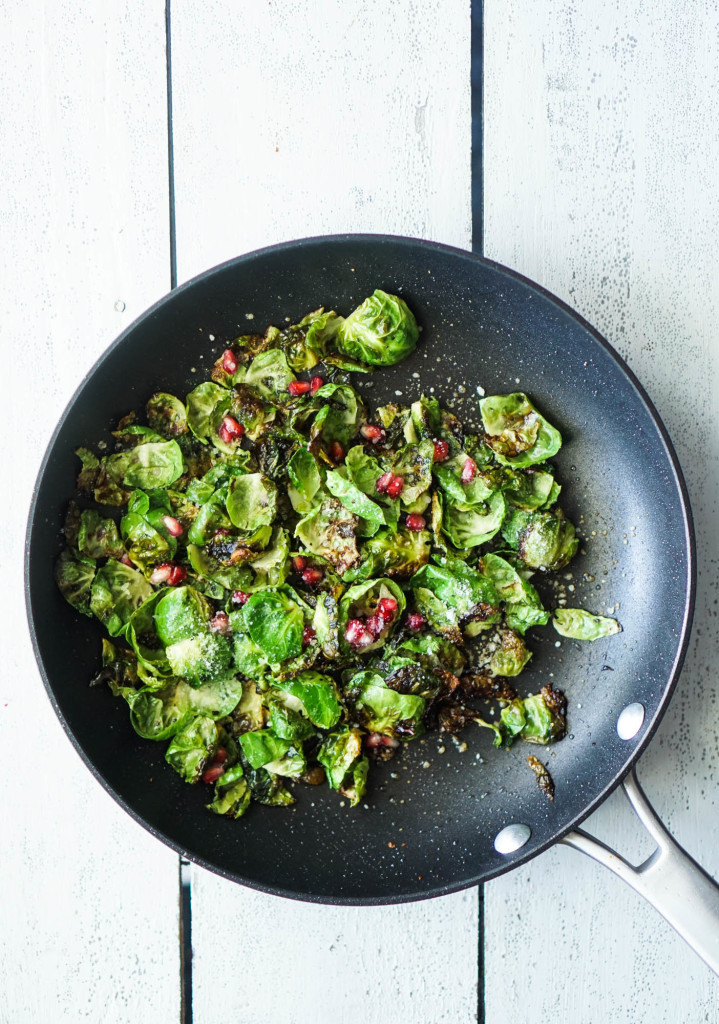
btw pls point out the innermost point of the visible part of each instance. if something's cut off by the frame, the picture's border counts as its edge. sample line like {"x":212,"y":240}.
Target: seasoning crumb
{"x":391,"y":846}
{"x":249,"y":316}
{"x":426,"y":764}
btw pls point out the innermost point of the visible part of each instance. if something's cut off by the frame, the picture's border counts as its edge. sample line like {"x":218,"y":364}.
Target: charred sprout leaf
{"x":250,"y":659}
{"x":90,"y":465}
{"x":364,"y":470}
{"x":201,"y":659}
{"x":340,"y":753}
{"x":74,"y":574}
{"x":205,"y":406}
{"x":254,"y":414}
{"x":166,"y":415}
{"x":305,"y":490}
{"x":119,"y":669}
{"x":192,"y":747}
{"x":361,"y":601}
{"x":340,"y":413}
{"x":383,"y":710}
{"x":577,"y":624}
{"x":157,"y":464}
{"x":467,"y":527}
{"x":511,"y":656}
{"x":270,"y":375}
{"x":146,"y":537}
{"x":272,"y":567}
{"x":534,"y":719}
{"x":544,"y":779}
{"x":232,"y":793}
{"x":330,"y":532}
{"x":263,"y":747}
{"x":530,"y":490}
{"x":251,"y":501}
{"x":427,"y":418}
{"x":544,"y":540}
{"x":517,"y":432}
{"x":355,"y":784}
{"x":523,"y":606}
{"x":266,"y":788}
{"x":398,"y":554}
{"x":321,"y":330}
{"x":275,"y":624}
{"x":157,"y":714}
{"x":382,"y":331}
{"x":435,"y":650}
{"x":413,"y":464}
{"x":472,"y":495}
{"x":314,"y":695}
{"x":355,"y":501}
{"x":117,"y":591}
{"x":287,"y":723}
{"x":98,"y":537}
{"x":180,"y":614}
{"x":459,"y":593}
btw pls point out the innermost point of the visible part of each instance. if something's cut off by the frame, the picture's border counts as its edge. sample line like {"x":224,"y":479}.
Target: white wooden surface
{"x":601,"y":169}
{"x":89,"y":906}
{"x":313,"y":118}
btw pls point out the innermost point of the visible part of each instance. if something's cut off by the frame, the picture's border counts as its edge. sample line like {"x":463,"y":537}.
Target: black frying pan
{"x":482,"y":326}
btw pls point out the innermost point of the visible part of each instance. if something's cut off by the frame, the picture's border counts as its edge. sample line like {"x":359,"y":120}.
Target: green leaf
{"x":316,"y":697}
{"x":381,"y":332}
{"x":530,"y":489}
{"x":201,"y":659}
{"x":252,"y":501}
{"x":232,"y":793}
{"x":511,"y":656}
{"x":340,"y":413}
{"x":156,"y":714}
{"x":517,"y":432}
{"x":384,"y":710}
{"x":275,"y":623}
{"x":468,"y":528}
{"x":459,"y":592}
{"x":339,"y":752}
{"x":286,"y":723}
{"x":166,"y":415}
{"x":98,"y":537}
{"x":524,"y":607}
{"x":533,"y":718}
{"x":577,"y":624}
{"x":74,"y":575}
{"x":262,"y":747}
{"x":354,"y":499}
{"x":329,"y":531}
{"x":180,"y":614}
{"x":544,"y":540}
{"x":398,"y":555}
{"x":117,"y":591}
{"x":271,"y":568}
{"x":205,"y":406}
{"x":270,"y":375}
{"x":449,"y":477}
{"x":156,"y":464}
{"x":192,"y":747}
{"x":304,"y":474}
{"x":414,"y":464}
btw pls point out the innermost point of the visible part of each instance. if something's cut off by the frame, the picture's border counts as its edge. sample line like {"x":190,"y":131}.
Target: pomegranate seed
{"x":387,"y":607}
{"x":229,"y":361}
{"x":394,"y":488}
{"x":221,"y":532}
{"x":126,"y":561}
{"x":230,"y":430}
{"x":173,"y":527}
{"x":221,"y":756}
{"x":357,"y":635}
{"x":213,"y":773}
{"x":377,"y":739}
{"x":415,"y":621}
{"x":220,"y":622}
{"x":383,"y":483}
{"x":312,"y":576}
{"x":299,"y":562}
{"x":375,"y":624}
{"x":468,"y":470}
{"x":415,"y":523}
{"x":441,"y":451}
{"x":372,"y":434}
{"x":240,"y":597}
{"x":337,"y":452}
{"x":308,"y":635}
{"x":177,"y":575}
{"x":298,"y":387}
{"x":315,"y":384}
{"x":161,"y":573}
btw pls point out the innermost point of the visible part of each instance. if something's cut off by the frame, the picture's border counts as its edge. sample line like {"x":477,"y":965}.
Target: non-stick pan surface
{"x":431,"y":815}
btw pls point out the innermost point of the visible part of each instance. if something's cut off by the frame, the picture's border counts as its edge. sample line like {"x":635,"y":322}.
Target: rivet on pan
{"x":511,"y":838}
{"x":630,"y":721}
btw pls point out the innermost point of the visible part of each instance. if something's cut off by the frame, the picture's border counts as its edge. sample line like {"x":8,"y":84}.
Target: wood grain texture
{"x":303,"y":118}
{"x":601,"y":160}
{"x":89,"y":911}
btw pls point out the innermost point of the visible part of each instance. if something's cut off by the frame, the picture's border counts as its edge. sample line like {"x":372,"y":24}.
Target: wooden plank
{"x":296,"y":119}
{"x":600,"y":162}
{"x":89,"y":913}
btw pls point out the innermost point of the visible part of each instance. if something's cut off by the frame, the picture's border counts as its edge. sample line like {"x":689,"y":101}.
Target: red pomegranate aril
{"x":415,"y":621}
{"x":337,"y":452}
{"x":161,"y":573}
{"x":415,"y":522}
{"x":213,"y":773}
{"x":308,"y":635}
{"x":298,"y":387}
{"x":229,"y":361}
{"x":177,"y":575}
{"x":372,"y":434}
{"x":383,"y":482}
{"x":312,"y":576}
{"x":299,"y":562}
{"x":375,"y":740}
{"x":126,"y":561}
{"x":395,"y":486}
{"x":375,"y":624}
{"x":173,"y":527}
{"x":441,"y":451}
{"x":315,"y":384}
{"x":357,"y":635}
{"x":240,"y":597}
{"x":387,"y":607}
{"x":230,"y":430}
{"x":220,"y":622}
{"x":468,"y":470}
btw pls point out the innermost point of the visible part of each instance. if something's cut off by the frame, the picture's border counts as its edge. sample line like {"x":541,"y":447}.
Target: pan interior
{"x":431,"y":815}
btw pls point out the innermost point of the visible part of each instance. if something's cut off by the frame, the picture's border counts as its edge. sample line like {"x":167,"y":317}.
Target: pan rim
{"x":684,"y":633}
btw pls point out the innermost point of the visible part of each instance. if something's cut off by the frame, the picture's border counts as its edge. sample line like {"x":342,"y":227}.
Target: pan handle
{"x":675,"y":885}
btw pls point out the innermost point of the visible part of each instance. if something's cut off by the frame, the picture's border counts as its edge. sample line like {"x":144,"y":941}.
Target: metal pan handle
{"x":675,"y":885}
